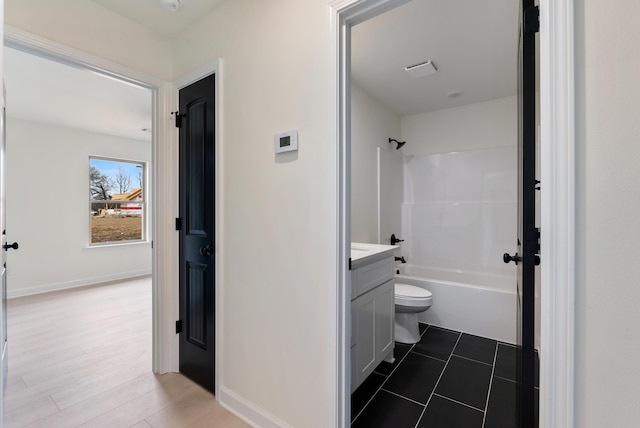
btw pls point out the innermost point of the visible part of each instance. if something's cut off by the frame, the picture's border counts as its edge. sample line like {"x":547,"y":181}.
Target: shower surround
{"x":459,"y":210}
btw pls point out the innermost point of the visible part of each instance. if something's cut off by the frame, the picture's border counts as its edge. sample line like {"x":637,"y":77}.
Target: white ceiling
{"x":49,"y":92}
{"x":473,"y":44}
{"x":158,"y":20}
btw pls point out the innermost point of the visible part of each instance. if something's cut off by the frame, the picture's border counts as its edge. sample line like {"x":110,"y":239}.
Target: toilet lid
{"x":406,"y":290}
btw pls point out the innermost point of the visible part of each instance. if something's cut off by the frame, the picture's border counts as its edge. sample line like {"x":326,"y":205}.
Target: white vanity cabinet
{"x":372,"y":311}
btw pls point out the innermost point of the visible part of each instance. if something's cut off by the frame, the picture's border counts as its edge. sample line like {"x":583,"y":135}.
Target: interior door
{"x":526,"y":256}
{"x":3,"y":268}
{"x":197,"y":226}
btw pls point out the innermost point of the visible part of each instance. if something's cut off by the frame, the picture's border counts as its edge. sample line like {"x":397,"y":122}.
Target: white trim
{"x":249,"y":412}
{"x":557,"y":144}
{"x":45,"y":288}
{"x":197,"y":74}
{"x":214,"y":67}
{"x":343,"y":15}
{"x":165,"y":240}
{"x":17,"y":38}
{"x":116,"y":244}
{"x":161,"y":211}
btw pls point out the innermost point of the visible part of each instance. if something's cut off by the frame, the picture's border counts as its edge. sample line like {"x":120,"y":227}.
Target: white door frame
{"x":557,"y":142}
{"x":161,"y":203}
{"x":184,"y":81}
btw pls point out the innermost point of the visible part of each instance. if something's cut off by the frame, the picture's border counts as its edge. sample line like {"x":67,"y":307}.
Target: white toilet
{"x":409,"y":301}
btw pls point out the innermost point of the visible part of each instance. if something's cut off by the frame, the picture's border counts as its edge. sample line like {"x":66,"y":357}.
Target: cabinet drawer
{"x":370,"y":276}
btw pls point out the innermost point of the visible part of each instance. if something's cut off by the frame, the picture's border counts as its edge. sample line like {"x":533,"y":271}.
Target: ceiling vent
{"x":421,"y":70}
{"x":171,"y":5}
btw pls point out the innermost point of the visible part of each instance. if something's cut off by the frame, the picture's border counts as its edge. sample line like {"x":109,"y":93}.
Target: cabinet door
{"x":363,"y":315}
{"x":385,"y":318}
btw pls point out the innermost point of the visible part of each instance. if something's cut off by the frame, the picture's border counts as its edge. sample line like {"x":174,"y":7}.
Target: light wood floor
{"x":82,"y":357}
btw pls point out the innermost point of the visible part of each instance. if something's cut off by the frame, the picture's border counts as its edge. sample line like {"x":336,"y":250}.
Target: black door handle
{"x":506,"y":257}
{"x":206,"y":251}
{"x":7,"y":246}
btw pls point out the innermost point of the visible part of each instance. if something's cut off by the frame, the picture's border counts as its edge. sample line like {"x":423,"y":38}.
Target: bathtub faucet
{"x":400,"y":259}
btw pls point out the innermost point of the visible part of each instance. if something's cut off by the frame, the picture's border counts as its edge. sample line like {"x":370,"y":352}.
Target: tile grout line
{"x":475,"y":361}
{"x":458,"y":402}
{"x":429,"y":356}
{"x":403,"y":397}
{"x":438,"y":381}
{"x":493,"y":369}
{"x":387,"y":377}
{"x":382,"y":384}
{"x":507,"y":379}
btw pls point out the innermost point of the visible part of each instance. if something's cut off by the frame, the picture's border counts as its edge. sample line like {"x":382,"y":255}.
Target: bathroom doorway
{"x":450,"y":97}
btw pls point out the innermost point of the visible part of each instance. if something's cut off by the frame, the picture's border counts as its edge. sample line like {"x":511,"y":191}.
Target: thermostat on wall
{"x":286,"y":141}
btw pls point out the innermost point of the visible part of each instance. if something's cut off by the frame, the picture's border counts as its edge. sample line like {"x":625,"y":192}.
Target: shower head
{"x":399,"y":143}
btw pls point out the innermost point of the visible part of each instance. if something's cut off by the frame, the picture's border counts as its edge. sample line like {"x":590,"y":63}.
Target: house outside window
{"x":117,"y":201}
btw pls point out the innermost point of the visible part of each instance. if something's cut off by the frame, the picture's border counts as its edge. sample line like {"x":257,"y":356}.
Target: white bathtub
{"x":480,"y":304}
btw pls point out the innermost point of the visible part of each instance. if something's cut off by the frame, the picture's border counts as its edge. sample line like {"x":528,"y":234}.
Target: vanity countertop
{"x":362,"y":254}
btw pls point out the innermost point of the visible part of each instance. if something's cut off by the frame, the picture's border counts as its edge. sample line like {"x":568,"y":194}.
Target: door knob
{"x":7,"y":246}
{"x":206,"y":251}
{"x":506,"y":257}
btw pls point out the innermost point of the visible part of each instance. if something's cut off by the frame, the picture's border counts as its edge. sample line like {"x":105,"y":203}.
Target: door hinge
{"x":537,"y":229}
{"x":178,"y":326}
{"x":178,"y":223}
{"x":532,"y":20}
{"x":178,"y":118}
{"x":349,"y":263}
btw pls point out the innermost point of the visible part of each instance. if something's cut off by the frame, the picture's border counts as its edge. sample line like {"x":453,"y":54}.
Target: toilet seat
{"x":410,"y":295}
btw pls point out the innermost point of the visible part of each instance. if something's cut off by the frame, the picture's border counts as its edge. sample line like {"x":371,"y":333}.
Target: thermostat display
{"x":286,"y":141}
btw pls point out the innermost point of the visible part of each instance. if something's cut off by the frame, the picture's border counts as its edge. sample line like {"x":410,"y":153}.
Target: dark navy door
{"x":197,"y":227}
{"x":527,"y":246}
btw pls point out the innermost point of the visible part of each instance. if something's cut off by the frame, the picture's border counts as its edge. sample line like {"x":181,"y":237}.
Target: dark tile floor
{"x":447,"y":380}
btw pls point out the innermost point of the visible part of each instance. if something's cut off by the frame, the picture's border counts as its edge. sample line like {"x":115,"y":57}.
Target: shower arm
{"x":399,"y":143}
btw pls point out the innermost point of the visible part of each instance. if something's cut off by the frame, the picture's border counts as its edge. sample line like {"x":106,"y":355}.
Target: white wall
{"x":607,"y":205}
{"x":390,"y":193}
{"x":89,"y":27}
{"x":474,"y":126}
{"x":278,"y":273}
{"x":372,"y":124}
{"x":47,"y":209}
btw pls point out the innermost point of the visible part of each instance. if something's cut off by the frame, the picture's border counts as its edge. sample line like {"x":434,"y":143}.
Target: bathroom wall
{"x":372,"y":124}
{"x":390,"y":194}
{"x":48,"y":209}
{"x":470,"y":127}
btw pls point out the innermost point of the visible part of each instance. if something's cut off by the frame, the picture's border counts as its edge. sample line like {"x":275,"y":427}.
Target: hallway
{"x":82,"y":357}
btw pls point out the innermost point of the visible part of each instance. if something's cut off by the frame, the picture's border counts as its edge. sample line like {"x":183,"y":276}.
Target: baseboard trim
{"x":11,"y":294}
{"x":247,"y":411}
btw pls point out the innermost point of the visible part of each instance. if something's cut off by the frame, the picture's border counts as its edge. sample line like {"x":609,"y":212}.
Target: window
{"x":117,"y":202}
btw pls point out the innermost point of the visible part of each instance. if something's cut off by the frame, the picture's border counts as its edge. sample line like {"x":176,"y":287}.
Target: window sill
{"x":118,"y":244}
